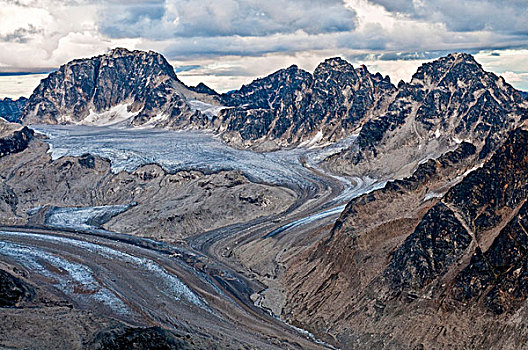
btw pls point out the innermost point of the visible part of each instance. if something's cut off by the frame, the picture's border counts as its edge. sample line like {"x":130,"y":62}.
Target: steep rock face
{"x":14,"y":138}
{"x":291,"y":105}
{"x":497,"y":277}
{"x":436,"y":243}
{"x":144,"y":82}
{"x":11,"y":109}
{"x":448,"y":100}
{"x":398,"y":265}
{"x":13,"y":290}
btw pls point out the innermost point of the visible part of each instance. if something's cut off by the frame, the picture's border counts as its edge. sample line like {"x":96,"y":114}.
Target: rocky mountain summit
{"x":133,"y":86}
{"x":447,"y":101}
{"x":292,"y":106}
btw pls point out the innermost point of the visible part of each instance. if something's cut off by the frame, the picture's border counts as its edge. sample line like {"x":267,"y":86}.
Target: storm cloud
{"x":160,"y":20}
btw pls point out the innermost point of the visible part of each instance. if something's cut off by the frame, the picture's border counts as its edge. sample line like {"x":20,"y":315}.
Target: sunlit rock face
{"x":144,"y":83}
{"x":292,"y":106}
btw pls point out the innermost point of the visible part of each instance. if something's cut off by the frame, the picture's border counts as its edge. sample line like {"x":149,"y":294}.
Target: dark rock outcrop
{"x":13,"y":290}
{"x":11,"y":109}
{"x":153,"y":338}
{"x":470,"y":211}
{"x":203,"y":89}
{"x":438,"y":241}
{"x":16,"y":142}
{"x":498,"y":276}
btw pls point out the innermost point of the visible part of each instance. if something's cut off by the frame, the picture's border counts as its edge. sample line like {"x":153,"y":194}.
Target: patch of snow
{"x":208,"y":109}
{"x":432,"y":195}
{"x":114,"y":115}
{"x":437,"y":133}
{"x":156,"y":120}
{"x":83,"y":218}
{"x":311,"y":143}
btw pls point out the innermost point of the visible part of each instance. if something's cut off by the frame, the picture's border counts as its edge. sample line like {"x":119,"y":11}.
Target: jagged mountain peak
{"x":138,"y":83}
{"x":335,"y":62}
{"x":455,"y":66}
{"x":332,"y":66}
{"x":204,"y":89}
{"x":265,"y":92}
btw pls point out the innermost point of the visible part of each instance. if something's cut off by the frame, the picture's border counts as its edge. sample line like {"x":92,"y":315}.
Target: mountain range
{"x":446,"y":101}
{"x":438,"y":256}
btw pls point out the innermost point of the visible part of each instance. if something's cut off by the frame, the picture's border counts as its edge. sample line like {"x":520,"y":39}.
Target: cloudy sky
{"x":226,"y":43}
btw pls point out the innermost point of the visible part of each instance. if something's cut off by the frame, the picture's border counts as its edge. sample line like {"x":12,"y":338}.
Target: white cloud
{"x":14,"y":86}
{"x":234,"y":41}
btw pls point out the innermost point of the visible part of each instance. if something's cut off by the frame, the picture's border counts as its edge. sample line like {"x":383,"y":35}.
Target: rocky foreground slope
{"x":430,"y":261}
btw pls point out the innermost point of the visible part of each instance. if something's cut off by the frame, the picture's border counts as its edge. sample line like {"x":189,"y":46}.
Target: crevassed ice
{"x":175,"y":150}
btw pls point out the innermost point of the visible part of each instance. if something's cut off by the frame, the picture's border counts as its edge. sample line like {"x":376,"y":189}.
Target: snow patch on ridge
{"x":114,"y":115}
{"x":208,"y":109}
{"x":315,"y":140}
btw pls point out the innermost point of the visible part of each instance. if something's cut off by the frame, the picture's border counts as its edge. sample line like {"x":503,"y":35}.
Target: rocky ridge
{"x":139,"y":88}
{"x":447,"y":101}
{"x":292,"y":106}
{"x":11,"y":109}
{"x":400,"y":263}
